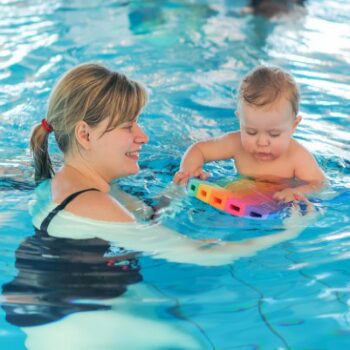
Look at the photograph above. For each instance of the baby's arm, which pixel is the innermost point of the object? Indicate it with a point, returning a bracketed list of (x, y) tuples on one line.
[(205, 151), (306, 170)]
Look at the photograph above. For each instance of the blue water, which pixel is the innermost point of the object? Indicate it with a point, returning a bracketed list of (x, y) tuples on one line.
[(191, 56)]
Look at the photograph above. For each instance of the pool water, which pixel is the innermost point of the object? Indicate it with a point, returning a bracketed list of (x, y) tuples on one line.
[(191, 56)]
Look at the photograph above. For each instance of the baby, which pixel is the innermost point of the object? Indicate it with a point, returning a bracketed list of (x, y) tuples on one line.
[(263, 148)]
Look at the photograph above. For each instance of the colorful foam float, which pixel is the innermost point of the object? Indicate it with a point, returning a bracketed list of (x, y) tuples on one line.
[(243, 197)]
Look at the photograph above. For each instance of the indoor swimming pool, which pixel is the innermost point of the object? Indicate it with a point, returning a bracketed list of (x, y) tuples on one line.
[(190, 54)]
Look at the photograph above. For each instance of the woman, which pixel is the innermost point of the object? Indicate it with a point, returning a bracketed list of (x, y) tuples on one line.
[(93, 114)]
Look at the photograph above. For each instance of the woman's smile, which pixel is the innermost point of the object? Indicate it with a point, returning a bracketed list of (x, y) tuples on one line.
[(133, 154)]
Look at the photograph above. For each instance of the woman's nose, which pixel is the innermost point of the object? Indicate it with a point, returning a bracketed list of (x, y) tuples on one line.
[(140, 135)]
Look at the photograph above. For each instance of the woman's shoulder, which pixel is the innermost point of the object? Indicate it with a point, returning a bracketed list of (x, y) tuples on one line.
[(99, 206), (88, 202)]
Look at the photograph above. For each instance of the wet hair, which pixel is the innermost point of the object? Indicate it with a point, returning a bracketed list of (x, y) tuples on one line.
[(264, 85), (90, 93)]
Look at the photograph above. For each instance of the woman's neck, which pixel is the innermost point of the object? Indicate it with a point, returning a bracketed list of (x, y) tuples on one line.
[(82, 174)]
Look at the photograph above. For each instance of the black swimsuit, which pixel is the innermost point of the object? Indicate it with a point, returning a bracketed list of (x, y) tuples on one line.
[(46, 222), (54, 273)]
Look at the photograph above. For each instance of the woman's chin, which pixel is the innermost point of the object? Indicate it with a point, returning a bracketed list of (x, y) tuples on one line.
[(133, 171), (127, 172)]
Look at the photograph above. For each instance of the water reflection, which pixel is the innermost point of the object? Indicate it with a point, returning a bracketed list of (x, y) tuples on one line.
[(57, 277), (146, 17), (271, 8)]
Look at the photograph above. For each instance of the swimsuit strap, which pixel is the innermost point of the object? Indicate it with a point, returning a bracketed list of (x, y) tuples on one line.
[(46, 222)]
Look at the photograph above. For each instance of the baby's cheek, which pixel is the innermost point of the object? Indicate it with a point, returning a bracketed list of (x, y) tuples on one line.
[(247, 144), (285, 143), (280, 146)]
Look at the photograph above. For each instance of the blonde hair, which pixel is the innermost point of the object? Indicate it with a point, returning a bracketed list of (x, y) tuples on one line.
[(265, 85), (89, 93)]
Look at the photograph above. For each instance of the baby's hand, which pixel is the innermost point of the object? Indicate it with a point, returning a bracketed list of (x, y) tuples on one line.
[(289, 195), (182, 177)]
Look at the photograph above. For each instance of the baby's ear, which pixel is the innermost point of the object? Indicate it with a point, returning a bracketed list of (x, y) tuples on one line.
[(297, 121)]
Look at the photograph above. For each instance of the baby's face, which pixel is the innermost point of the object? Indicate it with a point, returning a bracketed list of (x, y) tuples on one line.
[(266, 131)]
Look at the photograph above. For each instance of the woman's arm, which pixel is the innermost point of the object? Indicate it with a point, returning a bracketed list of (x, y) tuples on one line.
[(136, 206), (163, 243)]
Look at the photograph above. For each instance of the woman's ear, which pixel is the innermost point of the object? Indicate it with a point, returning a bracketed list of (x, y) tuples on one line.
[(82, 135)]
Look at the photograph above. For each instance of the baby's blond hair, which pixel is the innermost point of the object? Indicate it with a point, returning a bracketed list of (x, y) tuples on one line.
[(265, 85)]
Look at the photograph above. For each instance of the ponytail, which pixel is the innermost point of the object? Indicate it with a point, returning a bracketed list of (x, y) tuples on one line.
[(39, 147)]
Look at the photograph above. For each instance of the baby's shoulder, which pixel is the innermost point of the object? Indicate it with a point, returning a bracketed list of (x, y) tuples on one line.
[(234, 134), (298, 151), (296, 146), (234, 137), (99, 206), (230, 142)]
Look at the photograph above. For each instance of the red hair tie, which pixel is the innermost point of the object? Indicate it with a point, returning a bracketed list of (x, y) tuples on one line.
[(46, 125), (299, 197)]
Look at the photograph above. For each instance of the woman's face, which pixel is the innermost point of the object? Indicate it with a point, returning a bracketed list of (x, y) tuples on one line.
[(116, 153)]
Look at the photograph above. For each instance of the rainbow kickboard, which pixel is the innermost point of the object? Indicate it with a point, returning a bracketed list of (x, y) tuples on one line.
[(249, 201)]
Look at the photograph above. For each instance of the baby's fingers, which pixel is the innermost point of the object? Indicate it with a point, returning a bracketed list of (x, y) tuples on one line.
[(200, 174), (181, 177), (288, 196), (282, 197), (310, 208), (204, 175)]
